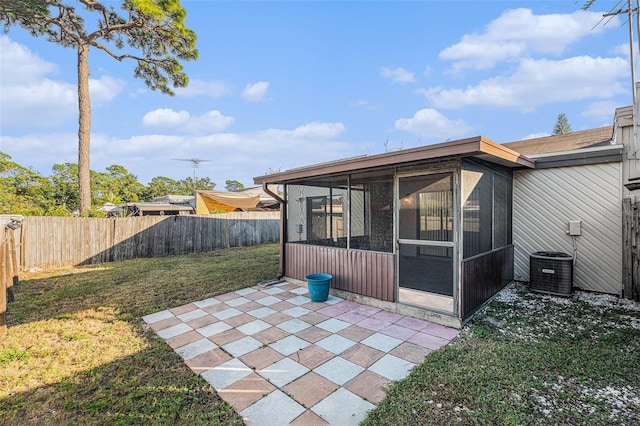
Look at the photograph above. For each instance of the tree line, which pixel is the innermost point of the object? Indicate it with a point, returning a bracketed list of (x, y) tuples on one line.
[(27, 192)]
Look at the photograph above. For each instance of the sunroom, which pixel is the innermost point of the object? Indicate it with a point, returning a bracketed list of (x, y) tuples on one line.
[(424, 231)]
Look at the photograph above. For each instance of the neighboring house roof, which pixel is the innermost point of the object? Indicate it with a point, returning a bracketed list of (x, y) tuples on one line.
[(149, 207), (478, 146), (174, 199), (601, 136)]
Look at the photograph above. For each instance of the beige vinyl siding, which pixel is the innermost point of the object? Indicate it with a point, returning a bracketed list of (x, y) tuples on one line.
[(544, 202)]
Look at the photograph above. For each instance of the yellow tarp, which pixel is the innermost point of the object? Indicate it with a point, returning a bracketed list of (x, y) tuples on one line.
[(215, 201)]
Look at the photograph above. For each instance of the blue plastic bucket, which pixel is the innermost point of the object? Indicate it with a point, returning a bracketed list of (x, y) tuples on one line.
[(318, 285)]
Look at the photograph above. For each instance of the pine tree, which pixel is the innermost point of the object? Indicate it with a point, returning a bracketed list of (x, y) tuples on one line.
[(562, 125)]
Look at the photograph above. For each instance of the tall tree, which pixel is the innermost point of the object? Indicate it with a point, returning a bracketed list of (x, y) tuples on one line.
[(154, 31), (562, 125), (186, 185), (160, 186), (233, 186)]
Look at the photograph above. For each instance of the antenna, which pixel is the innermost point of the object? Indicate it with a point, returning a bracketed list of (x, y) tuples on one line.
[(196, 163)]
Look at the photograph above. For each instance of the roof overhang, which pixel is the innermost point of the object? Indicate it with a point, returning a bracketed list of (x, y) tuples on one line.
[(579, 157), (478, 147)]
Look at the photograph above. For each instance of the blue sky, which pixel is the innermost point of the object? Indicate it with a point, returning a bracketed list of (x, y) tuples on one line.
[(285, 84)]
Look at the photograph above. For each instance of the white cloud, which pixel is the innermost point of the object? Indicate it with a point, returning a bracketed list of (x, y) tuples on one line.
[(238, 156), (30, 98), (318, 130), (255, 92), (215, 89), (518, 32), (536, 82), (536, 135), (104, 89), (398, 75), (167, 118), (432, 125)]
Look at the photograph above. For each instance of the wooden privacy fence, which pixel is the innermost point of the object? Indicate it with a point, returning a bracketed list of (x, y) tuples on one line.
[(54, 242), (630, 253), (8, 273)]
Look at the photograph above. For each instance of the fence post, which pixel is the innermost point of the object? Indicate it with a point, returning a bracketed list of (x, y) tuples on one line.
[(3, 287)]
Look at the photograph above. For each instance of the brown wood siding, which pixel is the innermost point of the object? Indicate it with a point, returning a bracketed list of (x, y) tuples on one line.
[(483, 276), (367, 273)]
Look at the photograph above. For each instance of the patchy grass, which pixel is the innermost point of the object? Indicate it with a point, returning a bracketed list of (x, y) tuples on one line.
[(529, 359), (78, 353)]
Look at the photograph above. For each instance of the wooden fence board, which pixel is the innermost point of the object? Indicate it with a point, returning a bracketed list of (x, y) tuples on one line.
[(55, 242)]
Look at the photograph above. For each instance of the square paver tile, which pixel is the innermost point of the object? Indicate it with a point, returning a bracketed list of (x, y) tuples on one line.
[(289, 345), (212, 329), (184, 339), (262, 412), (339, 370), (312, 356), (296, 311), (258, 294), (245, 291), (381, 342), (411, 352), (277, 318), (208, 360), (191, 315), (239, 320), (206, 302), (314, 306), (268, 300), (338, 308), (342, 408), (313, 334), (441, 331), (242, 346), (165, 323), (387, 316), (412, 323), (310, 389), (333, 325), (253, 327), (351, 317), (250, 306), (226, 374), (196, 348), (261, 358), (282, 306), (183, 309), (293, 325), (397, 331), (299, 290), (237, 301), (428, 340), (158, 316), (362, 355), (202, 321), (299, 300), (212, 309), (273, 290), (262, 312), (174, 331), (246, 391), (226, 337), (335, 344), (226, 296), (284, 371), (356, 333), (373, 324), (367, 310), (270, 335), (313, 318), (392, 367), (227, 313), (369, 386), (309, 418), (333, 300)]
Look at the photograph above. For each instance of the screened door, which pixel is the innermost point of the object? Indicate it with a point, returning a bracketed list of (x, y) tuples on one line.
[(425, 232)]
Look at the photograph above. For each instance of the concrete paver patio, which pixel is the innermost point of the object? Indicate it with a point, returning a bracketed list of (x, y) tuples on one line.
[(278, 358)]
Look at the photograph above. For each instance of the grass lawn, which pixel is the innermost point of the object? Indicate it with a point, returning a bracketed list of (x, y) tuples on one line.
[(529, 359), (77, 351)]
